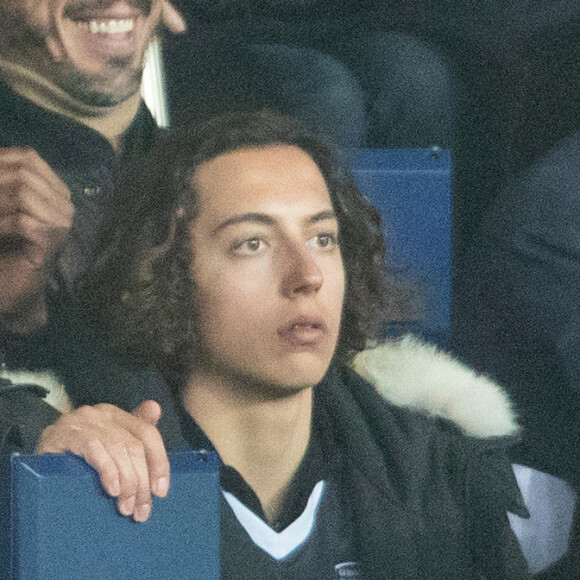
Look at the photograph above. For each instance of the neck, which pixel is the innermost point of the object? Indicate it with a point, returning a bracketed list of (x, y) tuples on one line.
[(110, 122), (263, 439)]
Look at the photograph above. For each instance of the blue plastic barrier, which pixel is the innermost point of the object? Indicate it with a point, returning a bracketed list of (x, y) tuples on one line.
[(64, 526)]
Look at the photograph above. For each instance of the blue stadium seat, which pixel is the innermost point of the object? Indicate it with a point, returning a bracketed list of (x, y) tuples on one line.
[(412, 190)]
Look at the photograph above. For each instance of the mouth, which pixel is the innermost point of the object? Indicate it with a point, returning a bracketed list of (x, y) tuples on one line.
[(108, 27), (106, 16), (303, 331)]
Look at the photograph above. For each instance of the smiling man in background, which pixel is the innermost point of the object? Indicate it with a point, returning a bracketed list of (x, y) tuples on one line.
[(71, 117)]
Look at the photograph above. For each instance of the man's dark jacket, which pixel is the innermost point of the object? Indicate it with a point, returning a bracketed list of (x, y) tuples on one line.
[(517, 306), (69, 346)]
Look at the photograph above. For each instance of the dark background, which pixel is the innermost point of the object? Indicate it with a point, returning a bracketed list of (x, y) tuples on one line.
[(516, 65)]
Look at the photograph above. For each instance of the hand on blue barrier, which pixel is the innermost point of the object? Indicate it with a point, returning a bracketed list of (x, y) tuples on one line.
[(125, 448)]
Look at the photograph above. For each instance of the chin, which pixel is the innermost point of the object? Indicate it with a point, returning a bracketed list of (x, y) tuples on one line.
[(276, 385), (294, 382), (97, 99), (111, 98), (278, 391), (88, 89)]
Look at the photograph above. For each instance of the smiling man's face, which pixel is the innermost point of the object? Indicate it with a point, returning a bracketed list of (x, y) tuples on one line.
[(92, 49)]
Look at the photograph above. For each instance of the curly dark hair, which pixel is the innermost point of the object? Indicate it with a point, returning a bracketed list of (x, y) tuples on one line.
[(142, 286)]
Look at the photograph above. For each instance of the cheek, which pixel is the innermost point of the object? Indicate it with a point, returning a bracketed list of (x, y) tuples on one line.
[(231, 287), (336, 287), (225, 309), (20, 17), (41, 16), (232, 327), (230, 307)]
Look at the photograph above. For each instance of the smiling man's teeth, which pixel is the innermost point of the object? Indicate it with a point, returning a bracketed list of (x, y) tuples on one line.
[(111, 26)]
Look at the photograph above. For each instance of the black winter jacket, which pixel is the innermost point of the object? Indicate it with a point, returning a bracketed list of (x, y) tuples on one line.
[(69, 349), (420, 441), (430, 481)]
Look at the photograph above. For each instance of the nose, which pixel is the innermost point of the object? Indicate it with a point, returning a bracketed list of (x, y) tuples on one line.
[(302, 274)]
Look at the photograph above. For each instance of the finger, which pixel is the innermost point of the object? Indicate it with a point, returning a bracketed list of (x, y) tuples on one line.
[(173, 19), (126, 450), (89, 447), (25, 191), (8, 202), (128, 477), (142, 501), (23, 238), (149, 411), (22, 289), (20, 225), (148, 436), (155, 453), (97, 456), (28, 185), (16, 159), (98, 434)]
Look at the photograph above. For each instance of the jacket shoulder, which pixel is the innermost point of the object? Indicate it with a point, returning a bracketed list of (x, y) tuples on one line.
[(417, 376)]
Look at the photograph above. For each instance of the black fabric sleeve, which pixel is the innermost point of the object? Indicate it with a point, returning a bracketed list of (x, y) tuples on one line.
[(23, 417), (491, 492)]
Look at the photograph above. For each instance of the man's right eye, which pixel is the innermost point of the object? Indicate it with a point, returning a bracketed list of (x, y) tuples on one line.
[(248, 247)]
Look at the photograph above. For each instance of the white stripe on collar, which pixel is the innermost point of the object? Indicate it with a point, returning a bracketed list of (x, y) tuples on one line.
[(278, 545)]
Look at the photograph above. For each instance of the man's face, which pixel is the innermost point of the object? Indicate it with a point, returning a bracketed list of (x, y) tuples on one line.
[(267, 268), (92, 49)]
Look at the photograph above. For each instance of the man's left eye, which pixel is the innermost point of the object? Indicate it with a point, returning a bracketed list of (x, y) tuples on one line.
[(326, 240), (253, 245)]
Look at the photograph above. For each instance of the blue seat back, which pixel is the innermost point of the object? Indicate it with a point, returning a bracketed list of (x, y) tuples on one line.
[(412, 190)]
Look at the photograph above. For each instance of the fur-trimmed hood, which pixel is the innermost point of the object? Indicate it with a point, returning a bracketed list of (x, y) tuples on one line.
[(409, 373)]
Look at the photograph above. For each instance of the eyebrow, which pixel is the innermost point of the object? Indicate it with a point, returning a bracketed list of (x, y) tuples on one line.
[(262, 218)]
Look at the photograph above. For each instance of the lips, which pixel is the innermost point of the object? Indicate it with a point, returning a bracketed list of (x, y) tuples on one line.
[(303, 331), (106, 10), (114, 19), (109, 27)]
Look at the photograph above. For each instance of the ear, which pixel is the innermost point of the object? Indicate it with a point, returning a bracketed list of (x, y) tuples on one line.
[(172, 18)]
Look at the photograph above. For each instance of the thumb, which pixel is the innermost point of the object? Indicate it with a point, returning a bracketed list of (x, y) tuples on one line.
[(149, 411), (172, 18)]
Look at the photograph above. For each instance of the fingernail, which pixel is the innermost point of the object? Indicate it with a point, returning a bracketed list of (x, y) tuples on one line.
[(127, 505), (142, 513), (162, 487)]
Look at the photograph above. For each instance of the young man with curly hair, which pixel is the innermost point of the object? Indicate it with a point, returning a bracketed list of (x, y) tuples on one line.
[(253, 278)]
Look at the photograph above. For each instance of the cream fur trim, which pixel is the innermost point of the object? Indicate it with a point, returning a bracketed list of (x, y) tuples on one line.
[(409, 373), (56, 397)]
